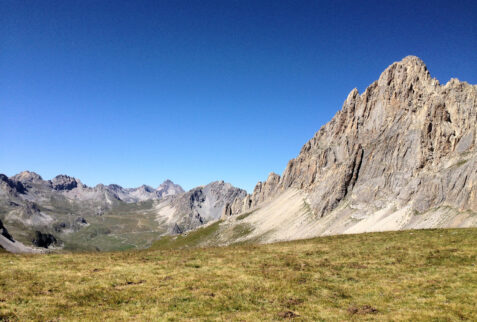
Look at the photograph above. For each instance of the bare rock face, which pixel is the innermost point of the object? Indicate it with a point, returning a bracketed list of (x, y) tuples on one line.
[(406, 140), (44, 240), (64, 182), (169, 188), (203, 204), (144, 192), (27, 177), (4, 232), (11, 187), (261, 192)]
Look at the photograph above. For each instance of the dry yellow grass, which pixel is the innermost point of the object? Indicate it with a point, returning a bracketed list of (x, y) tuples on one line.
[(410, 275)]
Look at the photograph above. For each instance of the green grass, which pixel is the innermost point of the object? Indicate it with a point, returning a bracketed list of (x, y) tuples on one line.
[(241, 230), (461, 162), (428, 275), (245, 215), (192, 238)]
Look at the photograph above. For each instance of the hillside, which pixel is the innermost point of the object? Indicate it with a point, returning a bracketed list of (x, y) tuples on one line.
[(407, 275)]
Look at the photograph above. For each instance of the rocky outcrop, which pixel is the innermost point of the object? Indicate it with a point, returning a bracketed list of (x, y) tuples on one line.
[(27, 178), (44, 240), (262, 192), (406, 140), (11, 245), (203, 204), (4, 232), (176, 230), (11, 187), (64, 182), (169, 188)]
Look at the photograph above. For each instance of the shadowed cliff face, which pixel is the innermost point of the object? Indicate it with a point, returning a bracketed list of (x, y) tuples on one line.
[(4, 232), (406, 140)]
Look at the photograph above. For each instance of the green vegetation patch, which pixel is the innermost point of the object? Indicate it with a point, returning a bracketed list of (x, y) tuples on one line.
[(461, 162), (245, 215), (241, 230), (418, 275), (193, 238), (129, 207)]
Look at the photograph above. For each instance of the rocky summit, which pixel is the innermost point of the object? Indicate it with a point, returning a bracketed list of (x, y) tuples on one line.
[(400, 155), (200, 205)]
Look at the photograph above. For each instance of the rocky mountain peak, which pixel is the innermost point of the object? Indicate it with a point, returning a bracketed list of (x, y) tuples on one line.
[(27, 177), (146, 188), (169, 188), (388, 140), (403, 82), (205, 203), (64, 182), (410, 66), (412, 60), (10, 186), (114, 187)]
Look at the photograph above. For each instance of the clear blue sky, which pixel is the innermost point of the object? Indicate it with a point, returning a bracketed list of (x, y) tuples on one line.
[(134, 92)]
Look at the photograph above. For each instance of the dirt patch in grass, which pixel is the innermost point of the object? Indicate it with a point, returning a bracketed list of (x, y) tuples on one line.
[(365, 309), (291, 302), (288, 315)]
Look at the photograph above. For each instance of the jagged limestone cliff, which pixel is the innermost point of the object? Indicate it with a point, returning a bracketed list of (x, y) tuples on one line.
[(404, 150), (406, 138)]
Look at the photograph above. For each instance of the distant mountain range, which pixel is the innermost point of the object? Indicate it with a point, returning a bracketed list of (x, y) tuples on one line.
[(400, 155), (65, 213)]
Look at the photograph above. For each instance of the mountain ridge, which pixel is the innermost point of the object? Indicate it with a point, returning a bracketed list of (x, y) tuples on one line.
[(399, 83), (65, 213), (400, 155)]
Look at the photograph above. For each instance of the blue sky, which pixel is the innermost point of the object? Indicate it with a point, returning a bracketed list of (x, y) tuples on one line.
[(134, 92)]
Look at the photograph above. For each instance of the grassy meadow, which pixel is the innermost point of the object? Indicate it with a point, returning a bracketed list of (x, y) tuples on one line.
[(408, 275)]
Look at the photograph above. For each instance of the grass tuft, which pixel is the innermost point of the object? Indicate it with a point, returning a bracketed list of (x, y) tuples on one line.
[(245, 215)]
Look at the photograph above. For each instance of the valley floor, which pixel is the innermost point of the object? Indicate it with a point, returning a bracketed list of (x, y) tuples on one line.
[(406, 275)]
